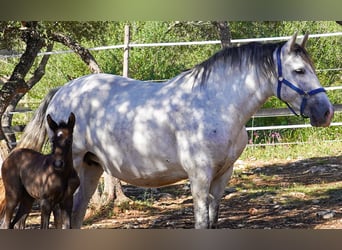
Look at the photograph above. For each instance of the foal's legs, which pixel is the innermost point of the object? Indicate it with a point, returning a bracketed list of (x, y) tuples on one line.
[(89, 174), (13, 193), (10, 206), (67, 203), (45, 208)]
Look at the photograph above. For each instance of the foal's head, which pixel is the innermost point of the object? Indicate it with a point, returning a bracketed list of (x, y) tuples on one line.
[(61, 140)]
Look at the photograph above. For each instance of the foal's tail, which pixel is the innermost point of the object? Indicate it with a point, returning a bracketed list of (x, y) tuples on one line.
[(2, 201), (33, 137)]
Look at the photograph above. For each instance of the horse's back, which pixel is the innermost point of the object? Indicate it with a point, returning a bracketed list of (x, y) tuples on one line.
[(126, 123)]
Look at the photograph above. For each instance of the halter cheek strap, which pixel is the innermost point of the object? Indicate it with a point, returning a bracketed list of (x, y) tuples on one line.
[(305, 94)]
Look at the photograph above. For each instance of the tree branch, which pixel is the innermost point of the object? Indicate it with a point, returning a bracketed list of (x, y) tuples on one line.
[(84, 53)]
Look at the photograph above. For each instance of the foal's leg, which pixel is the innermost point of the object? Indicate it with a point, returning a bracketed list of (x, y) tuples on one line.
[(57, 216), (10, 206), (73, 184), (89, 177), (23, 210), (45, 209), (62, 212), (13, 194)]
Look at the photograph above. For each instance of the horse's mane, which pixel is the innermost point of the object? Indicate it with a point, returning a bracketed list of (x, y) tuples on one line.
[(247, 55)]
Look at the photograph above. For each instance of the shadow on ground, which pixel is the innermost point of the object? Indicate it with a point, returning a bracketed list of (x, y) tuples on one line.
[(299, 194)]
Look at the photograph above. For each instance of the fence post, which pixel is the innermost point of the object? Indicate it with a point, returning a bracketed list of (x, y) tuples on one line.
[(126, 51)]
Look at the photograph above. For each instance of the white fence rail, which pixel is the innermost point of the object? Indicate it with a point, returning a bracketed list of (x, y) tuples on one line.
[(170, 44), (278, 112)]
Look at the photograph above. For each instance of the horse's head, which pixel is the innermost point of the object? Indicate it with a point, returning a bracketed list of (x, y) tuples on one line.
[(298, 85), (62, 139)]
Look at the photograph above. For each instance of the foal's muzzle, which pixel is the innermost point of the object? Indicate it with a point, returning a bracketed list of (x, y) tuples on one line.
[(58, 164)]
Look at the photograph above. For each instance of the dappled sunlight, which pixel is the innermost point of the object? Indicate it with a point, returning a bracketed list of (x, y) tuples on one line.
[(192, 126)]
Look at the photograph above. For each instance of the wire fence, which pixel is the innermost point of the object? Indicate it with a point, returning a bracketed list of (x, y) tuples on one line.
[(265, 113), (170, 44)]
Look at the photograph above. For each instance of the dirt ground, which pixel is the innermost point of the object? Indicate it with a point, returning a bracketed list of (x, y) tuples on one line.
[(292, 194)]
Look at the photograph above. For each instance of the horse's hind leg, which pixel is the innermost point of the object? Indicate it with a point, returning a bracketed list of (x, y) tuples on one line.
[(89, 173)]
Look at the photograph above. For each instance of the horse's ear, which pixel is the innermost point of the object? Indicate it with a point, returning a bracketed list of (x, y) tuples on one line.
[(290, 44), (71, 120), (52, 124), (304, 40)]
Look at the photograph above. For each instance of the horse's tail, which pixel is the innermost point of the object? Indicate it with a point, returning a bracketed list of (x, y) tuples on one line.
[(33, 137)]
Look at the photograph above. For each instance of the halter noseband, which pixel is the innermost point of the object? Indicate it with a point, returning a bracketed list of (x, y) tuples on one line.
[(301, 92)]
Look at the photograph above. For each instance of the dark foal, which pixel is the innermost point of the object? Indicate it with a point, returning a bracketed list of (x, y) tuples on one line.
[(28, 175)]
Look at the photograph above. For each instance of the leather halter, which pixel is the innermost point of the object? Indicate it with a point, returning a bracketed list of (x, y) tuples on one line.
[(305, 94)]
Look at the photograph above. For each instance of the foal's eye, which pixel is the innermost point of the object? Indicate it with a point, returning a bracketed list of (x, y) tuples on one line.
[(300, 71)]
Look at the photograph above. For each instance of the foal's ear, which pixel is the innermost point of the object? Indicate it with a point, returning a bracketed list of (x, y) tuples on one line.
[(52, 124), (71, 120)]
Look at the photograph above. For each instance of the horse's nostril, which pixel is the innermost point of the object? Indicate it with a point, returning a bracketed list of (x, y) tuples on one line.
[(329, 114), (326, 114)]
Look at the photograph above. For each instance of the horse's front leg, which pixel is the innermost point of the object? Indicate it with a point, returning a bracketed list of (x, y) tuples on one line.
[(216, 192), (220, 182), (200, 185)]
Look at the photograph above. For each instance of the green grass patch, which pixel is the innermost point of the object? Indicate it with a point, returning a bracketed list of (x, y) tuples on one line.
[(313, 148)]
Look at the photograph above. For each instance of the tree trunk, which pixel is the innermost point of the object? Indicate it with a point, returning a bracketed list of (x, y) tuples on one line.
[(7, 117), (16, 84), (224, 33)]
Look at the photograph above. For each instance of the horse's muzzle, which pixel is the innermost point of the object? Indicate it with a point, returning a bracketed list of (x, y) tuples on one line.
[(323, 119)]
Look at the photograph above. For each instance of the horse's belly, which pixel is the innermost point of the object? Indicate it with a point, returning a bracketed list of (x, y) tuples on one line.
[(149, 175)]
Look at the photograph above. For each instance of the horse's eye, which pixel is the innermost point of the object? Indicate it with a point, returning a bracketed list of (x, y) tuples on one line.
[(300, 71)]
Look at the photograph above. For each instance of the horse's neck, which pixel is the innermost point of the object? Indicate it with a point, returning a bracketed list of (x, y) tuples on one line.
[(242, 92)]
